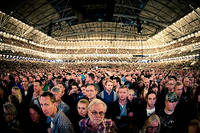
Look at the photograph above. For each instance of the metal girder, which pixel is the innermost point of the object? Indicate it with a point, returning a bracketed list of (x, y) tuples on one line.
[(122, 33), (162, 24)]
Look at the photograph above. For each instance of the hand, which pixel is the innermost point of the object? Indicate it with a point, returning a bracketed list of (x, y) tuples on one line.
[(130, 114), (35, 94)]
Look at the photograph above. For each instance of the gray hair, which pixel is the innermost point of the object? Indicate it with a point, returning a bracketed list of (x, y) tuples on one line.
[(56, 89), (10, 109), (97, 101)]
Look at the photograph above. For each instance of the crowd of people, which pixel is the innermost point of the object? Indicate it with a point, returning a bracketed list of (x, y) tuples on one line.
[(48, 99)]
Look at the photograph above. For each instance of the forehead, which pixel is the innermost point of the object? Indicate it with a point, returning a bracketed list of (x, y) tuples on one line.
[(109, 82), (123, 90), (90, 87), (97, 107), (45, 99), (36, 83), (179, 87), (82, 104), (152, 95)]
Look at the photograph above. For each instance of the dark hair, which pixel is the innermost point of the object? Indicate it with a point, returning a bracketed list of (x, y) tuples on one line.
[(117, 79), (150, 92), (95, 86), (39, 82), (75, 84), (91, 75), (50, 95), (36, 108)]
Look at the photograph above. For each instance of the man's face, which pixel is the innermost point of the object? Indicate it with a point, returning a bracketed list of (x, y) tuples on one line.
[(186, 82), (96, 113), (48, 107), (109, 86), (24, 83), (178, 90), (74, 89), (58, 96), (82, 109), (170, 85), (114, 82), (123, 93), (87, 79), (83, 90), (91, 92), (37, 87), (146, 82), (151, 100), (61, 87), (170, 106)]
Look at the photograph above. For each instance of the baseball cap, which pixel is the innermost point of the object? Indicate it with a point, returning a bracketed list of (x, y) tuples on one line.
[(171, 97)]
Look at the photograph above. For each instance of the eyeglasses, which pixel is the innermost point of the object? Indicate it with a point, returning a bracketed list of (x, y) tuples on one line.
[(152, 127), (100, 113)]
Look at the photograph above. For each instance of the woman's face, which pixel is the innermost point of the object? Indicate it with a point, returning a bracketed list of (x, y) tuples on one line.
[(82, 109), (153, 127), (34, 115), (130, 95)]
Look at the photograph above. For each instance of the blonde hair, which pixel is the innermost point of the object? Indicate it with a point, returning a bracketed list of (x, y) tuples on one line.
[(85, 101), (108, 80), (18, 93), (148, 122)]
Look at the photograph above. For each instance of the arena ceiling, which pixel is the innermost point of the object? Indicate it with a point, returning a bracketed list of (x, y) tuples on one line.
[(113, 24)]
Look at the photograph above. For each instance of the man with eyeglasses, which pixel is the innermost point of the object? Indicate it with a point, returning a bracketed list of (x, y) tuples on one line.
[(97, 123)]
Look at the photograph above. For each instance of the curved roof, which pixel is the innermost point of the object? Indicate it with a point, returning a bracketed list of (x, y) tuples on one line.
[(117, 29), (100, 19)]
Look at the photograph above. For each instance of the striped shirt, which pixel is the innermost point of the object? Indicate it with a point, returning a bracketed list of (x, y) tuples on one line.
[(61, 124)]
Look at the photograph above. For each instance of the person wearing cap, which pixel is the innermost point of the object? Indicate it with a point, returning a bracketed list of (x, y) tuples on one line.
[(168, 116)]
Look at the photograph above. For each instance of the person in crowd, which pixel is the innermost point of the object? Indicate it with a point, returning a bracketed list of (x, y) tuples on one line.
[(187, 89), (116, 83), (194, 126), (151, 125), (74, 93), (27, 91), (146, 109), (90, 79), (91, 92), (108, 94), (37, 86), (60, 104), (169, 87), (121, 111), (60, 123), (96, 121), (37, 120), (16, 92), (167, 115), (82, 108), (131, 95), (10, 115), (17, 82), (83, 90)]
